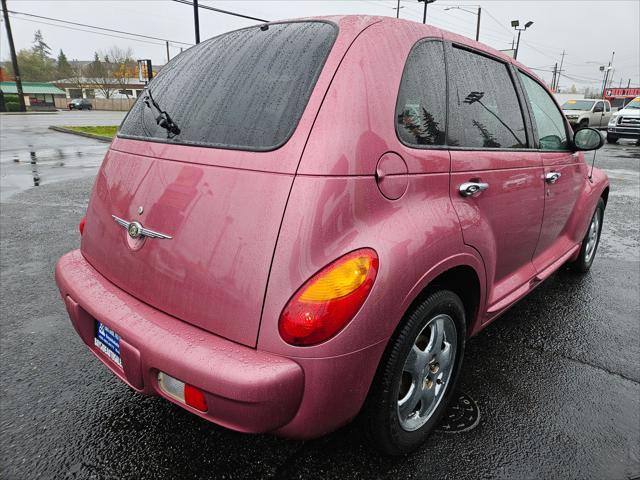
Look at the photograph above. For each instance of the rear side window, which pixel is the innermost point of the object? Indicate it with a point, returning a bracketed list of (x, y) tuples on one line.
[(245, 89), (485, 112), (548, 120), (421, 104)]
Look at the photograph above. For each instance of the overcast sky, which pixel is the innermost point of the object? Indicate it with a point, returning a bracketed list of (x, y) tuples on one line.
[(589, 31)]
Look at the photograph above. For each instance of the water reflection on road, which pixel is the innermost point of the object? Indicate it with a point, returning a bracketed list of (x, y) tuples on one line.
[(32, 167), (31, 155)]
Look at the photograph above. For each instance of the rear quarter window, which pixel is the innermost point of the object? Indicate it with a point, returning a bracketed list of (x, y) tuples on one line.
[(243, 90), (421, 104)]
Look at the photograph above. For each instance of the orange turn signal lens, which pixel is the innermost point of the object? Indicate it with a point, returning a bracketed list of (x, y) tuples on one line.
[(329, 300)]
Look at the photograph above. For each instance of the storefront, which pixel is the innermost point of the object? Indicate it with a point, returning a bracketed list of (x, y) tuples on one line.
[(37, 96), (619, 97)]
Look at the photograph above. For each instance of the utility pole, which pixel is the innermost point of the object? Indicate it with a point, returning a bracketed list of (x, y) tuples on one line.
[(478, 25), (167, 44), (560, 71), (606, 75), (613, 71), (553, 79), (398, 10), (196, 20), (14, 58)]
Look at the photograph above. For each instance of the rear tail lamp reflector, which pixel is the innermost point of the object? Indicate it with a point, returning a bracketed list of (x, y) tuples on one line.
[(183, 392)]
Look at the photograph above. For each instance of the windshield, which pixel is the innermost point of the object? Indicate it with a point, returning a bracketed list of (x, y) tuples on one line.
[(578, 105), (244, 90), (635, 103)]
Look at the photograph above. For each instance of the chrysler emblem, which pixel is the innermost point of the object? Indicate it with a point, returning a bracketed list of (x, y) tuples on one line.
[(136, 230)]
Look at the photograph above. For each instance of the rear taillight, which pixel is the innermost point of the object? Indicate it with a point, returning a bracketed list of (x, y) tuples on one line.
[(329, 300), (183, 392), (83, 220)]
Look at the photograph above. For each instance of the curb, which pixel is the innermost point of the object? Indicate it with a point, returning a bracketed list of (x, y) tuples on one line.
[(29, 113), (81, 134)]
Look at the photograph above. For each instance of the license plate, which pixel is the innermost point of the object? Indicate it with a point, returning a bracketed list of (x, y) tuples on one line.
[(108, 342)]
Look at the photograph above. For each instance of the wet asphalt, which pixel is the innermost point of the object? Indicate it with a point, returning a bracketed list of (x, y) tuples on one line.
[(557, 378)]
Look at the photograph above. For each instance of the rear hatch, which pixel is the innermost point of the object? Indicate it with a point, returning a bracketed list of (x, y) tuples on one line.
[(244, 103)]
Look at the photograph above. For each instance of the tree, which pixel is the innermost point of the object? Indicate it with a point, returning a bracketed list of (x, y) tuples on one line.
[(40, 47), (35, 63), (34, 68), (124, 67), (99, 73), (64, 68)]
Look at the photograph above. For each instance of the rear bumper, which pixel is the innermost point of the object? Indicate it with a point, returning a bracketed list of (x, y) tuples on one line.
[(246, 390)]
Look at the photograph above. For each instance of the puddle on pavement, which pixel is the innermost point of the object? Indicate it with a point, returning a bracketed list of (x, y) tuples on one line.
[(29, 168)]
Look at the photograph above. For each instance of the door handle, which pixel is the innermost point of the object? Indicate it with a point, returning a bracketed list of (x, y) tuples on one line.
[(470, 188), (552, 177)]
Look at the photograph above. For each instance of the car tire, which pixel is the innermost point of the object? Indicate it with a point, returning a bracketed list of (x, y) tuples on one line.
[(89, 107), (584, 123), (591, 240), (397, 385), (611, 139)]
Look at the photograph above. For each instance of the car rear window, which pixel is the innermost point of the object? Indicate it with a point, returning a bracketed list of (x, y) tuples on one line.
[(243, 90)]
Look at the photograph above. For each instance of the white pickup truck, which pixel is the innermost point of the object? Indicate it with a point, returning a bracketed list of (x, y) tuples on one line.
[(625, 123), (587, 113)]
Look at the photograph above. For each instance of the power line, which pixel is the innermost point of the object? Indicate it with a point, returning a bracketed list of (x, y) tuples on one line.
[(40, 22), (99, 28), (226, 12)]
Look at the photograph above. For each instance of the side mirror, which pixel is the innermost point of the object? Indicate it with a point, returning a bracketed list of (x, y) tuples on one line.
[(587, 139), (597, 110)]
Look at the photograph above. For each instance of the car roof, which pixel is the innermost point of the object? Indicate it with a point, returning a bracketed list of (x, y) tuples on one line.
[(401, 26)]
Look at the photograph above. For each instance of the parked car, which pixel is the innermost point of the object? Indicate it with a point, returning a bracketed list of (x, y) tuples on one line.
[(587, 113), (318, 239), (80, 104), (625, 123)]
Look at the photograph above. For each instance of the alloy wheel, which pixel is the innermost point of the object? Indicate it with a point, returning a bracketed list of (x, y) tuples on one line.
[(427, 371)]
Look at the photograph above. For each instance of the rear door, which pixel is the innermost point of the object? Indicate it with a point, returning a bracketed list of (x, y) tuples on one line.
[(597, 115), (607, 114), (565, 172), (488, 138)]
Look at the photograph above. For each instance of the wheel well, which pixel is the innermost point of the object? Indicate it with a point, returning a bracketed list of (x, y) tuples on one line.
[(605, 196), (463, 281)]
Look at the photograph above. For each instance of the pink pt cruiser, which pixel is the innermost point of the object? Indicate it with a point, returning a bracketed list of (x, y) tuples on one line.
[(302, 222)]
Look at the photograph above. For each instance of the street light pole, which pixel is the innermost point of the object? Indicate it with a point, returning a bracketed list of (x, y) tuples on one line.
[(479, 14), (14, 58), (515, 55), (196, 20), (515, 24), (424, 13)]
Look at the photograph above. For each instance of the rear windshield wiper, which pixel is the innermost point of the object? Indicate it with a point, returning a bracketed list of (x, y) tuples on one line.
[(163, 119)]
